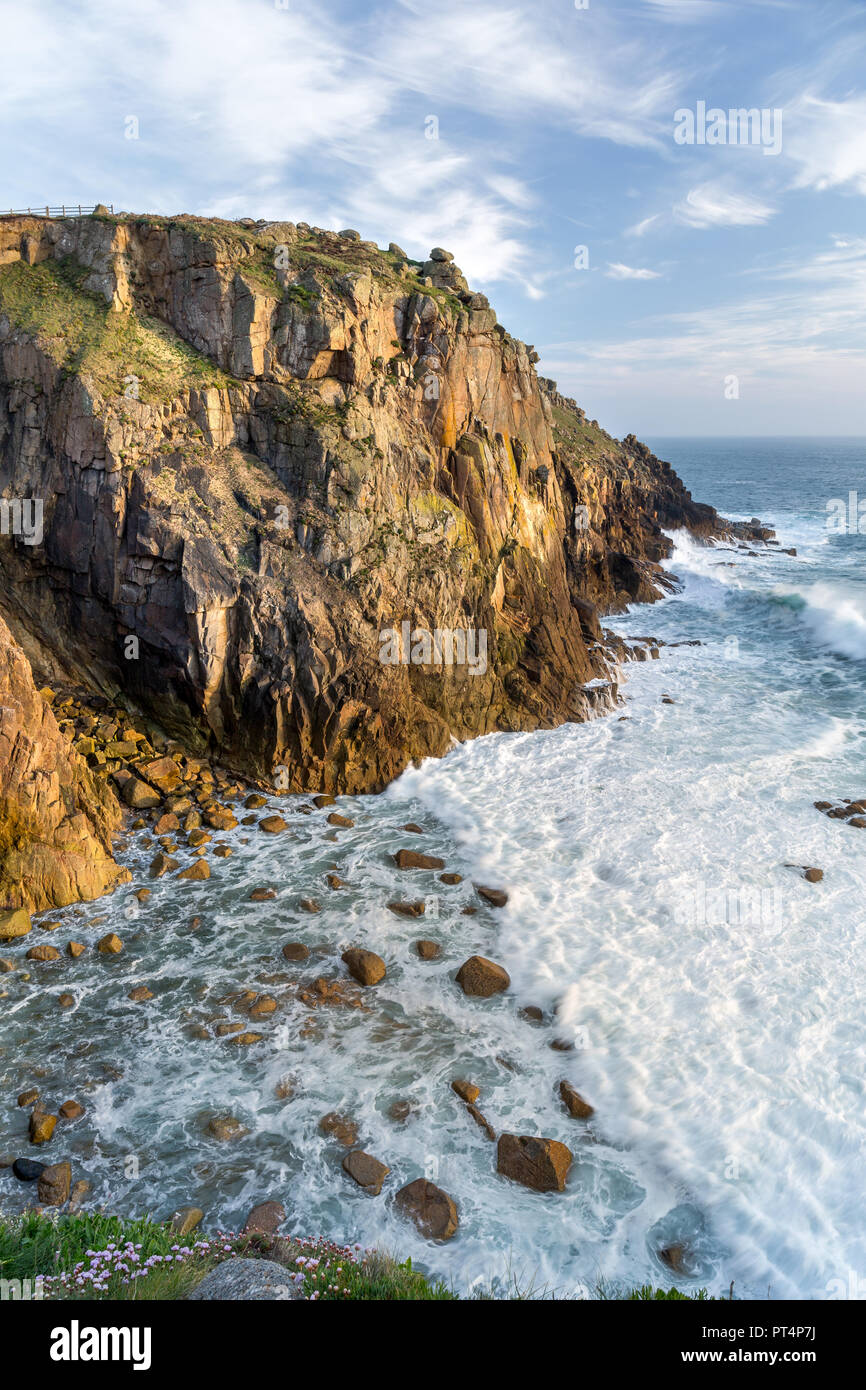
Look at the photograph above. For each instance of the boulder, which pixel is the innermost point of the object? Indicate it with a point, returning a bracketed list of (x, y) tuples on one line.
[(541, 1164), (408, 859), (339, 1127), (466, 1090), (265, 1219), (295, 951), (415, 909), (248, 1280), (262, 895), (574, 1102), (197, 871), (450, 879), (185, 1219), (428, 950), (367, 1171), (482, 978), (432, 1210), (43, 953), (27, 1169), (140, 994), (70, 1110), (162, 864), (272, 825), (344, 821), (495, 896), (309, 905), (813, 875), (75, 949), (139, 795), (42, 1126), (226, 1127), (28, 1097), (364, 966), (110, 944), (55, 1181)]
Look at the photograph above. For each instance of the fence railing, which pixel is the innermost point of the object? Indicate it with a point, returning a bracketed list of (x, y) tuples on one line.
[(64, 210)]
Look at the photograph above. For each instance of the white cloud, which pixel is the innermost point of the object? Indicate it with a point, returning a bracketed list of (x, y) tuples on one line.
[(827, 140), (711, 205), (617, 271)]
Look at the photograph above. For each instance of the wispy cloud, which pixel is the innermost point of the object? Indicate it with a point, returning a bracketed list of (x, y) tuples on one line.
[(617, 271), (712, 205)]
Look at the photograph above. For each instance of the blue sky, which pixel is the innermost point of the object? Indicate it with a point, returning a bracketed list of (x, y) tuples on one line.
[(724, 290)]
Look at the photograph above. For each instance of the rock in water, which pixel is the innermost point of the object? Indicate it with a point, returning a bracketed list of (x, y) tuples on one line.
[(408, 859), (574, 1102), (364, 966), (54, 1184), (367, 1171), (541, 1164), (482, 978), (432, 1210), (265, 1219)]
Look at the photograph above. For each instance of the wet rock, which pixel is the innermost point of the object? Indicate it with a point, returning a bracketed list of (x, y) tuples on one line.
[(196, 838), (55, 1181), (162, 864), (185, 1219), (408, 859), (273, 825), (110, 944), (334, 881), (432, 1210), (450, 879), (482, 978), (75, 949), (265, 1219), (28, 1097), (43, 953), (344, 821), (219, 818), (541, 1164), (247, 1039), (285, 1088), (70, 1110), (532, 1013), (14, 923), (249, 1280), (196, 872), (482, 1122), (222, 851), (6, 966), (263, 1007), (168, 821), (415, 909), (428, 950), (78, 1194), (495, 896), (295, 951), (367, 1171), (364, 966), (254, 801), (400, 1110), (562, 1045), (466, 1090), (143, 894), (140, 994), (413, 829), (66, 1001), (225, 1128), (574, 1101), (27, 1169), (262, 895), (339, 1127), (324, 800), (675, 1257), (330, 992), (309, 905), (42, 1126), (223, 1030), (813, 875)]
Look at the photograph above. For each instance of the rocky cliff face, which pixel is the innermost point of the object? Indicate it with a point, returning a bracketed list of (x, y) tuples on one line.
[(263, 449), (56, 820)]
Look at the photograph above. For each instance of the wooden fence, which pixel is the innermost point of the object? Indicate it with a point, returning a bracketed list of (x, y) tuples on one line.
[(64, 210)]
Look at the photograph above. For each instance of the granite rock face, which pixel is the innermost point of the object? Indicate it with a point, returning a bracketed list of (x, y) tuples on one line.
[(274, 463), (56, 820)]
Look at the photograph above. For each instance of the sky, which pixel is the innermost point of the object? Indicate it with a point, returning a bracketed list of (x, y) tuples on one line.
[(673, 285)]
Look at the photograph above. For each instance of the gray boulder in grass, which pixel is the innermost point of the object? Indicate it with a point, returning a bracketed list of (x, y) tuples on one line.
[(262, 1281)]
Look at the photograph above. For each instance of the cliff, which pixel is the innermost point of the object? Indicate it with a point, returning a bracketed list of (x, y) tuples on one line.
[(260, 449)]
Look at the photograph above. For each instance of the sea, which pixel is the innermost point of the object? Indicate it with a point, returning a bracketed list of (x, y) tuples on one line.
[(703, 996)]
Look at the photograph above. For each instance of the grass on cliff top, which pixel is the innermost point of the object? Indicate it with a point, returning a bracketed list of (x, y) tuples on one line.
[(85, 337)]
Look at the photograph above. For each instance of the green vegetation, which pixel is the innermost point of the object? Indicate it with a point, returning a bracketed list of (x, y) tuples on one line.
[(83, 335), (91, 1256)]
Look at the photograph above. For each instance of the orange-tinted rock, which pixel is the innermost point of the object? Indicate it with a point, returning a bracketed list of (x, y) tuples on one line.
[(482, 978), (541, 1164), (408, 859), (574, 1102), (367, 1171), (432, 1210), (364, 966)]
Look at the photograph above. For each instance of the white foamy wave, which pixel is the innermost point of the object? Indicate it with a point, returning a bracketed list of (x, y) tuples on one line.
[(835, 614)]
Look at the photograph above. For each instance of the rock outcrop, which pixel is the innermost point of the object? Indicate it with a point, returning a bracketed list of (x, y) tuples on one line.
[(56, 820), (304, 501)]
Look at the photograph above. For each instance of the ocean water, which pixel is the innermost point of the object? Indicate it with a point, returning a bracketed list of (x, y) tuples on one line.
[(713, 996)]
